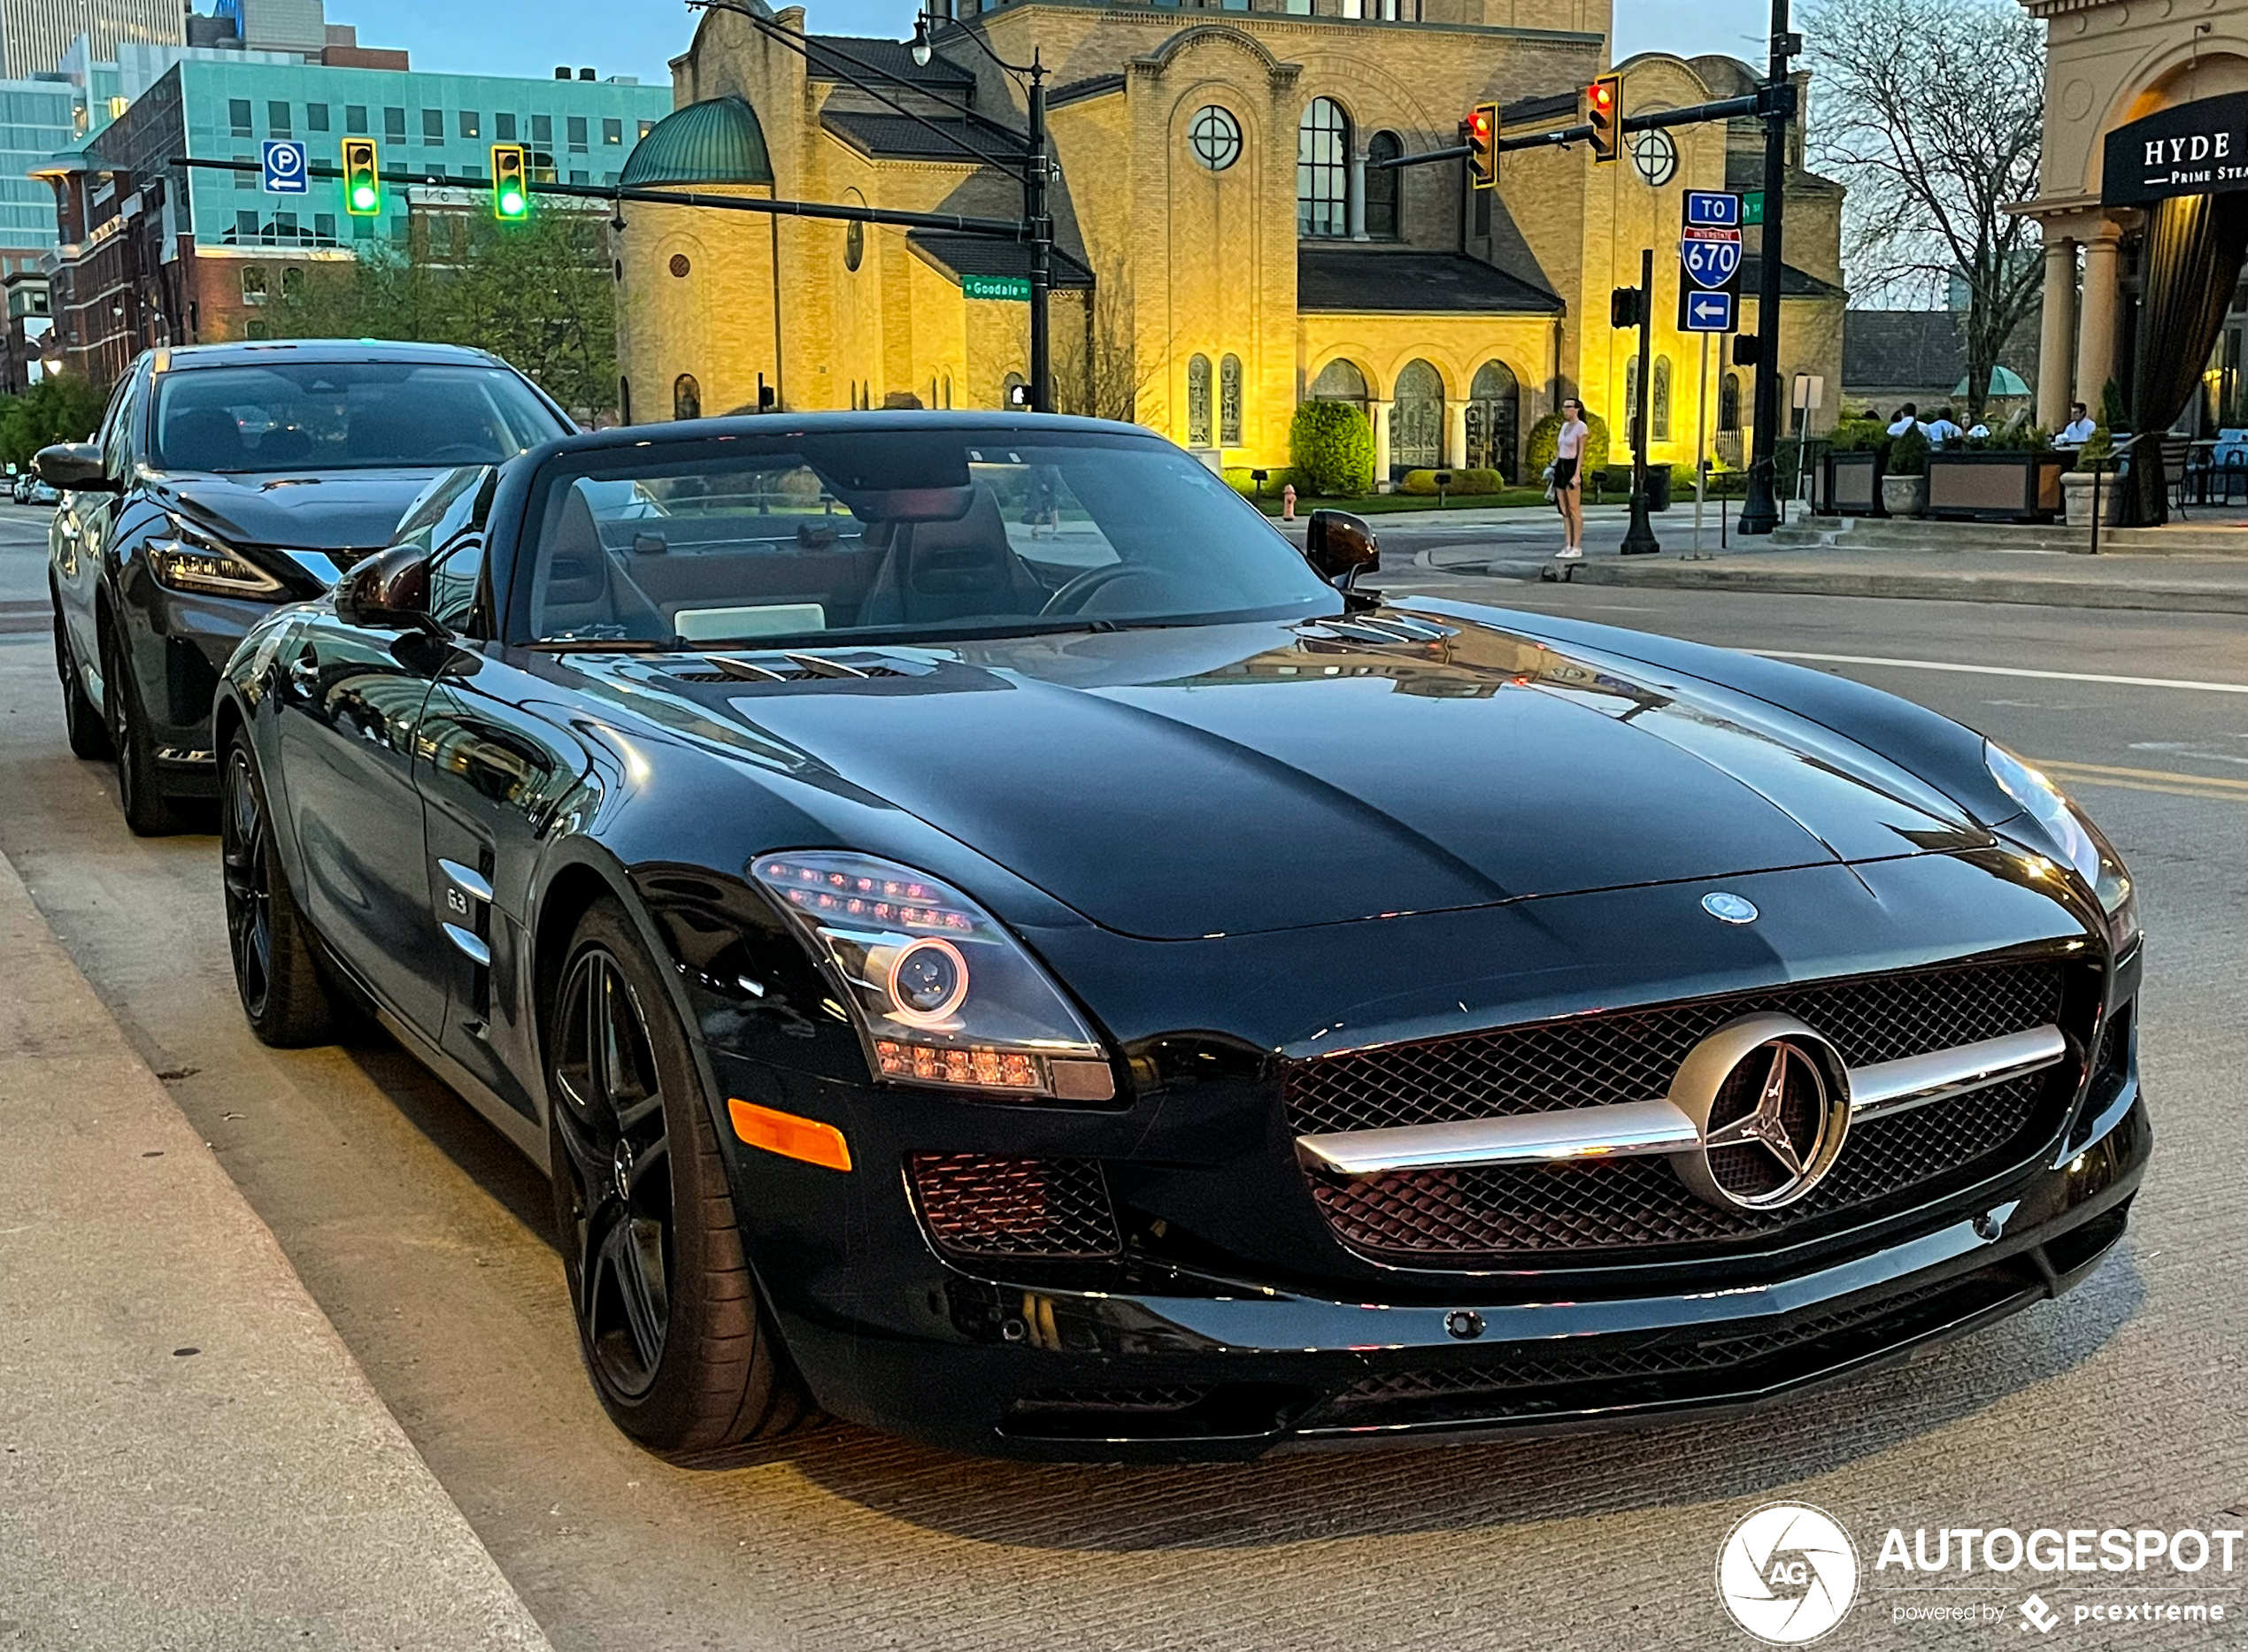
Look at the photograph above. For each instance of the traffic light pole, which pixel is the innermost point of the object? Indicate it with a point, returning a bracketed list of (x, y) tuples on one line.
[(1760, 508), (1639, 539)]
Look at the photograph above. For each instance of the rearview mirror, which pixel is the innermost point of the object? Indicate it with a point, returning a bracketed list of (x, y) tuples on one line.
[(390, 592), (1340, 547), (75, 467)]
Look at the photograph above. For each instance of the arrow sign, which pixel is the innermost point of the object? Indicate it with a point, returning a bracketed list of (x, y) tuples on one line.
[(1709, 312), (285, 173)]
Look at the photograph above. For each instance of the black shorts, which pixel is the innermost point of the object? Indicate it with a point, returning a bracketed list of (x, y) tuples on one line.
[(1565, 474)]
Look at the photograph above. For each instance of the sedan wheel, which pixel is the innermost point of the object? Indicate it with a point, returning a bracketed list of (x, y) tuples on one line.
[(668, 1317), (140, 792), (88, 735), (277, 970)]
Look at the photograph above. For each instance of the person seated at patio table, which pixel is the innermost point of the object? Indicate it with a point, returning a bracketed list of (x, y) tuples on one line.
[(1942, 430), (1908, 418), (2078, 430)]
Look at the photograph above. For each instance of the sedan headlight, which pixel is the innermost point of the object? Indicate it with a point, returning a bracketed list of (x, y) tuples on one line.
[(943, 992), (2081, 844), (194, 561)]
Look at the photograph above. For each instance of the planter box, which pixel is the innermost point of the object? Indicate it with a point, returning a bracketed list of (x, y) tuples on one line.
[(2077, 490), (1904, 496), (1853, 483), (1995, 486)]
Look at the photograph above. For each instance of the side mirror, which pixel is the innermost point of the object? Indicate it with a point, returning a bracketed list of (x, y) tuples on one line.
[(1340, 547), (390, 592), (75, 467)]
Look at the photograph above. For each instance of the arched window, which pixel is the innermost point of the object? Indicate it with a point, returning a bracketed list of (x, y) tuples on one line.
[(1340, 381), (1631, 400), (1323, 170), (1198, 402), (1494, 419), (1229, 402), (1382, 221), (1658, 410), (1729, 403), (1417, 420), (686, 397)]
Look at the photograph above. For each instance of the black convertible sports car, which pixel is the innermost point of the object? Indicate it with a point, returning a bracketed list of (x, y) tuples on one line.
[(993, 941)]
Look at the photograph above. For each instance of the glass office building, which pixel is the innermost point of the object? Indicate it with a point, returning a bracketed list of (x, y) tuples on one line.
[(37, 117)]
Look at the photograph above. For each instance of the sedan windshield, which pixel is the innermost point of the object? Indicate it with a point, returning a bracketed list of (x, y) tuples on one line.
[(337, 416), (900, 533)]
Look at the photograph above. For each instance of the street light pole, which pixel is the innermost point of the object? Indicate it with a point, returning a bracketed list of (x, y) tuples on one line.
[(1760, 508), (1639, 538)]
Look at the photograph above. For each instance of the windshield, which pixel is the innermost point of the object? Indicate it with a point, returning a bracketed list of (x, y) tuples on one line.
[(901, 533), (339, 416)]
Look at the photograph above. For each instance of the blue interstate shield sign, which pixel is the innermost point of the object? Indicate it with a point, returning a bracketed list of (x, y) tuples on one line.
[(1711, 256)]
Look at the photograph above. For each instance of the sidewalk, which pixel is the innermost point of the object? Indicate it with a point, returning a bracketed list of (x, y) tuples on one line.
[(189, 1457)]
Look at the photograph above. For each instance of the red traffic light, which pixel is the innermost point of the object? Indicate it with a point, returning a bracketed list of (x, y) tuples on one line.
[(1603, 95), (1480, 123), (1603, 115)]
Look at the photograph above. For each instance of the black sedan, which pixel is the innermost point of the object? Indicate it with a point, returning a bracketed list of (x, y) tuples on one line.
[(992, 941), (226, 479)]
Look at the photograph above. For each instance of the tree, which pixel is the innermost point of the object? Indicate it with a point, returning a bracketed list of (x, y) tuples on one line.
[(1098, 368), (539, 294), (61, 407), (1932, 112), (1330, 448)]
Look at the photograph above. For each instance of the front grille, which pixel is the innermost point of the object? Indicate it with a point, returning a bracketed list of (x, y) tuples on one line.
[(976, 1204), (1544, 1210)]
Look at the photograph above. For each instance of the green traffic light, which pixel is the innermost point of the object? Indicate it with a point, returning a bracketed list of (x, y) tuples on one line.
[(511, 204), (362, 197)]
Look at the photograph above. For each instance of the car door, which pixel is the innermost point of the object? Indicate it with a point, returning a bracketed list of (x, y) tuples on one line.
[(85, 525), (493, 775), (350, 701)]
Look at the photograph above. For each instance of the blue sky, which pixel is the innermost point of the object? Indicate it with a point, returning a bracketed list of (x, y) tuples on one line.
[(640, 36)]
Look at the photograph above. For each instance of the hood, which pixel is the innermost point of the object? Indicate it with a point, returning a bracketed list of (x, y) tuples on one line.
[(320, 511), (1225, 780)]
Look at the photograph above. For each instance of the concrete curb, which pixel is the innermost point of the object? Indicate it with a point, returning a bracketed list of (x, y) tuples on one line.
[(1947, 587), (190, 1458)]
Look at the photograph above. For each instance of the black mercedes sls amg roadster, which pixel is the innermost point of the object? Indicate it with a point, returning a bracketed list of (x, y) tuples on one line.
[(992, 941)]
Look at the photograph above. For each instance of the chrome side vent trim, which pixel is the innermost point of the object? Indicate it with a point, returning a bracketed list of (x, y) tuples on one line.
[(472, 946)]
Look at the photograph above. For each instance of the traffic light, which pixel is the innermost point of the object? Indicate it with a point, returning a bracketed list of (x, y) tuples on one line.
[(510, 195), (1627, 308), (1480, 132), (1603, 113), (362, 178)]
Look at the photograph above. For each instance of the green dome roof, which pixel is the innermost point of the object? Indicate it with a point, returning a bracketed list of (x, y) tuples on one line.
[(717, 142)]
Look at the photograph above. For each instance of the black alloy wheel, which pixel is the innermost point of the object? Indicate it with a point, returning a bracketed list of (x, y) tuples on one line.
[(88, 734), (668, 1316), (288, 1001), (140, 790)]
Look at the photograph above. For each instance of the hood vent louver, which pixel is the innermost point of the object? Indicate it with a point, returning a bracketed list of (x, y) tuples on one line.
[(1390, 628), (772, 668)]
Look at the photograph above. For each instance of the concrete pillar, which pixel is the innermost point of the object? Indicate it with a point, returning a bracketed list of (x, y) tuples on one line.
[(1455, 434), (2095, 326), (2057, 343), (1355, 215), (1379, 412)]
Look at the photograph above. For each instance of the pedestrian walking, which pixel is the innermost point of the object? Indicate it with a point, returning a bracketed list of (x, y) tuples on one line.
[(1567, 484)]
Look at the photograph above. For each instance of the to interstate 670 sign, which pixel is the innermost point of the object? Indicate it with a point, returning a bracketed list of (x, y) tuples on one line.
[(1709, 250)]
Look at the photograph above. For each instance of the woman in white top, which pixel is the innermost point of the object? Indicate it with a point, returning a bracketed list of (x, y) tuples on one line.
[(1568, 480)]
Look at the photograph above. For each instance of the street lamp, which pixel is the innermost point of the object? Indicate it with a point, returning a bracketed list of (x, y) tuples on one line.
[(921, 48)]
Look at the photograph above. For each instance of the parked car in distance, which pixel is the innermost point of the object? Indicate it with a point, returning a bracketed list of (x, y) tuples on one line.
[(991, 942), (226, 479)]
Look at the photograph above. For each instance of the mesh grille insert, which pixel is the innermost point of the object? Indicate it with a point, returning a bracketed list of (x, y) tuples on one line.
[(976, 1204)]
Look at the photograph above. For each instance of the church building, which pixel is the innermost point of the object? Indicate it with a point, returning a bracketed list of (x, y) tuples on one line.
[(1228, 243)]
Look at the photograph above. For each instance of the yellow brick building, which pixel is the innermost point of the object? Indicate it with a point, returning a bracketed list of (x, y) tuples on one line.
[(1226, 249)]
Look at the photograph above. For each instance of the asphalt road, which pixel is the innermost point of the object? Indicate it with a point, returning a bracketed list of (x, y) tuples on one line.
[(424, 1237)]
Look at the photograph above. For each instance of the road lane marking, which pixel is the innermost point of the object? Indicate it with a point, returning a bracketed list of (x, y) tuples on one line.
[(2164, 780), (2008, 671)]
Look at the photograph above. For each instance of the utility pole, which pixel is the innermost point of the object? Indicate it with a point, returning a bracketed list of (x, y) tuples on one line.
[(1639, 539), (1760, 510), (1041, 225)]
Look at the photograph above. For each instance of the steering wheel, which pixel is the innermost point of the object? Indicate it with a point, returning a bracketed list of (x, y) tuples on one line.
[(1072, 597)]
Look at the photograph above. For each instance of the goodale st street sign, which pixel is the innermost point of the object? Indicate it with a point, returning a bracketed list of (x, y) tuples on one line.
[(1014, 288)]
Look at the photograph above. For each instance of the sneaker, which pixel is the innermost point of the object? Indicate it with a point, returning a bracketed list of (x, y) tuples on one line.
[(1568, 553)]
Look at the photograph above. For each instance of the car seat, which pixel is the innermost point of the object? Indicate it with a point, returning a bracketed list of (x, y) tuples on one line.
[(582, 591), (204, 439), (958, 570)]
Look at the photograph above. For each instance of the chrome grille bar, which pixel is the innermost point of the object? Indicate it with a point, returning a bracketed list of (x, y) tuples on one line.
[(1632, 1129)]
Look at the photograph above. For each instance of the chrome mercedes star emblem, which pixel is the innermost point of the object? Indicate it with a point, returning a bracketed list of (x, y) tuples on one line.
[(1729, 908), (1769, 1100), (1766, 1126)]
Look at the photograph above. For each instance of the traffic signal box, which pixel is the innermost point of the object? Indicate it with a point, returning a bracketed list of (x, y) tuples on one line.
[(1480, 132), (510, 195), (362, 178), (1603, 113)]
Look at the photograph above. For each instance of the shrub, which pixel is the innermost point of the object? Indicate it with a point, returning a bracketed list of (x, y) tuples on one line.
[(1330, 450), (1858, 436), (1547, 431), (1276, 477), (1462, 482), (1908, 455)]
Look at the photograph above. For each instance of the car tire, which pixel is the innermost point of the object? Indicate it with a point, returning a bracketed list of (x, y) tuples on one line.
[(284, 994), (148, 808), (82, 721), (679, 1346)]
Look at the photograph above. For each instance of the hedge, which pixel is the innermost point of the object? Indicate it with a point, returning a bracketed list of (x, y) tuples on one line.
[(1462, 482), (1276, 477), (1546, 433), (1330, 450)]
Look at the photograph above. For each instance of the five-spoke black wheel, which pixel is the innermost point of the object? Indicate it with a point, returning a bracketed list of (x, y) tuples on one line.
[(148, 808), (277, 967), (668, 1314), (88, 734)]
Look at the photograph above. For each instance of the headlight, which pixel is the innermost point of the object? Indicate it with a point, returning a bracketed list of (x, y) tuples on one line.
[(2081, 844), (192, 560), (943, 992)]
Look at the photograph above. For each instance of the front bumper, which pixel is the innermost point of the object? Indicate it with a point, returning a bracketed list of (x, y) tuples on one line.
[(179, 645)]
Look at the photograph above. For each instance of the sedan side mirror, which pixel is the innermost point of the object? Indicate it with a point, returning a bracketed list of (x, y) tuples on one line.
[(1340, 547), (75, 467), (390, 592)]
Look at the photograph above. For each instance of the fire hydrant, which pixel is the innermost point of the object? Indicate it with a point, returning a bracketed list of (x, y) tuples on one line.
[(1288, 502)]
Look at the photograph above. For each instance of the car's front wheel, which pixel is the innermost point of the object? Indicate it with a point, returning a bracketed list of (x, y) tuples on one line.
[(81, 722), (679, 1347), (148, 808), (277, 971)]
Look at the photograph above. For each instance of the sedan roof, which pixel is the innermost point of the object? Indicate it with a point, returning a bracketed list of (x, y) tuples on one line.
[(317, 351)]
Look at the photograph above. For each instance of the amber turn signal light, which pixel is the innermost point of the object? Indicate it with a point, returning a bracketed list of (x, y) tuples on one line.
[(789, 1136)]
